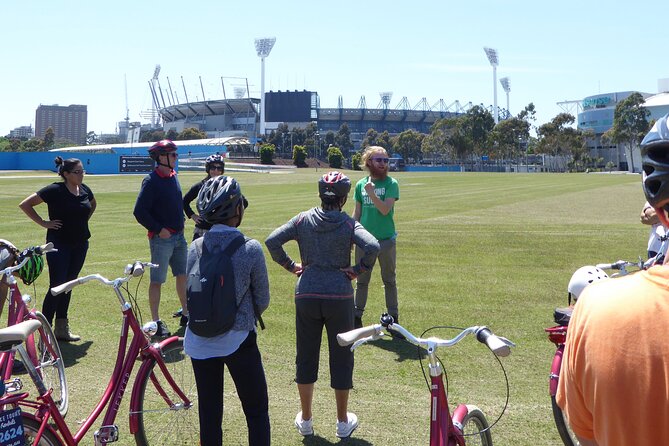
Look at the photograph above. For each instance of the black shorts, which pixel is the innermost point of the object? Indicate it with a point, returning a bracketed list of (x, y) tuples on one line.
[(311, 315)]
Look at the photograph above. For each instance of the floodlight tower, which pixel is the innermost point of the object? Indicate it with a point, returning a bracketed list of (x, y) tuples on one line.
[(263, 48), (506, 86), (492, 57)]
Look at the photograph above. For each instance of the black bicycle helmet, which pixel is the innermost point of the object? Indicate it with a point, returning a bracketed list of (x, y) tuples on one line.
[(655, 163), (214, 159), (333, 185), (32, 268), (161, 147), (218, 199)]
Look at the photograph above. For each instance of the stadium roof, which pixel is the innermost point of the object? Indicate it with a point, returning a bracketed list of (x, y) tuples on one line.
[(110, 148), (208, 108)]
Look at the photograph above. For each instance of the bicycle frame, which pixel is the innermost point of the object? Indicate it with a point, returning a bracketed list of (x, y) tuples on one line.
[(140, 347), (442, 429)]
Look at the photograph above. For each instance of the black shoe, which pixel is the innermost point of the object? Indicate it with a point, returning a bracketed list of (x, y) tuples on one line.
[(183, 322), (357, 323), (162, 331)]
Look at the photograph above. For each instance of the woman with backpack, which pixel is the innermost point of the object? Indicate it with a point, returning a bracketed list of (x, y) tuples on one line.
[(221, 203), (323, 293)]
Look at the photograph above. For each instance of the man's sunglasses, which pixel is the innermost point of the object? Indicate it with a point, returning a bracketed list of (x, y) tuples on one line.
[(380, 160)]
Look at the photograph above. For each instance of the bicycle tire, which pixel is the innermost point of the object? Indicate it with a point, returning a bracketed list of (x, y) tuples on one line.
[(475, 427), (566, 435), (158, 423), (31, 427), (50, 365)]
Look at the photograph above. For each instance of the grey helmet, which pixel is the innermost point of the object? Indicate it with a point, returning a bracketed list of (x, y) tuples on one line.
[(655, 163), (333, 186), (218, 199)]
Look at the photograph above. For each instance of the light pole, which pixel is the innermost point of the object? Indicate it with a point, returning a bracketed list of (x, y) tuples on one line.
[(507, 88), (492, 57), (263, 48)]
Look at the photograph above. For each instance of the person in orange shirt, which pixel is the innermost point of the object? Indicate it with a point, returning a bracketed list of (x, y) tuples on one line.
[(614, 381)]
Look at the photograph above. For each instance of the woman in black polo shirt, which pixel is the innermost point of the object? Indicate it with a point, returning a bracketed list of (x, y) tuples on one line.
[(70, 203)]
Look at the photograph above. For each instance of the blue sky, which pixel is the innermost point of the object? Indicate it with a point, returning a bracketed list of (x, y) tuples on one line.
[(80, 52)]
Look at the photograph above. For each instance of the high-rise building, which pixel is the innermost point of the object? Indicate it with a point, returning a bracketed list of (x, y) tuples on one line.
[(67, 122), (23, 132)]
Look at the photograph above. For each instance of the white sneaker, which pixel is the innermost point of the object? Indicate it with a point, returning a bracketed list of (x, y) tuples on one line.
[(304, 427), (346, 428)]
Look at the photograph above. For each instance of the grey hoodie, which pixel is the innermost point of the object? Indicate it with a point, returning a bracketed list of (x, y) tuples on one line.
[(325, 239)]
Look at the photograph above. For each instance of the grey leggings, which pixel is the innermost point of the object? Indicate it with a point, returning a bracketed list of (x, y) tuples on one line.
[(387, 261)]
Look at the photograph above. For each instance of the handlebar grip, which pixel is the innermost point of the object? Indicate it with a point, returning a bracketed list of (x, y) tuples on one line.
[(494, 342), (48, 247), (64, 287), (606, 266), (350, 337)]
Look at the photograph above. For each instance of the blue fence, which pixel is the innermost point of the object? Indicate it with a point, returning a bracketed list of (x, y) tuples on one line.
[(121, 161)]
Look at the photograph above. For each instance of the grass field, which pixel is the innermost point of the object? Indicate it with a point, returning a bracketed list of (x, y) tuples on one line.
[(473, 249)]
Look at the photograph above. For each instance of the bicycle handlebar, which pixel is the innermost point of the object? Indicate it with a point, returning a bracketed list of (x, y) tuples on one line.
[(500, 346), (131, 270), (620, 265), (26, 254)]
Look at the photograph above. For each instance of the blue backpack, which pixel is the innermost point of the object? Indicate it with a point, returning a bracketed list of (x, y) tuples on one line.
[(212, 297)]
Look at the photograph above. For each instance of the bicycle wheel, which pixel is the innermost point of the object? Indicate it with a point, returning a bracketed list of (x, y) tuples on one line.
[(475, 427), (566, 434), (160, 423), (49, 363), (30, 429)]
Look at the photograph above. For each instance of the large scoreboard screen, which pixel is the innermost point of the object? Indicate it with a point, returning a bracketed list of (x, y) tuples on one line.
[(288, 106)]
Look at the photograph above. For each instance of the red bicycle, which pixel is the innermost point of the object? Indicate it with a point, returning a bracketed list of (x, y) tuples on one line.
[(162, 410), (467, 424), (42, 347)]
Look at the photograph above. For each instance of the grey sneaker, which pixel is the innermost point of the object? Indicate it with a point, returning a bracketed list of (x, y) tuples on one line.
[(162, 331), (346, 428), (304, 427)]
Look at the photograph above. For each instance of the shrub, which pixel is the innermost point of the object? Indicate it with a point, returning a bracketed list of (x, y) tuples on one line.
[(335, 157), (299, 156), (267, 153)]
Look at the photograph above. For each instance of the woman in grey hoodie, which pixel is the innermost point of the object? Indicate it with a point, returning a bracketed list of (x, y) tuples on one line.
[(323, 293)]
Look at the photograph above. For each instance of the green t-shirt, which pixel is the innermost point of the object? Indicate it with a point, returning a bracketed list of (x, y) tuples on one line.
[(380, 226)]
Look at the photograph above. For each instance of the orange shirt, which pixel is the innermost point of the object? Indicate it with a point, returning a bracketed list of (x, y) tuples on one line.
[(614, 381)]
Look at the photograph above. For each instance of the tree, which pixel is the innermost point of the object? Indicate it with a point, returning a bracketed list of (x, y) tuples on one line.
[(299, 156), (153, 136), (408, 144), (171, 135), (507, 136), (49, 137), (343, 139), (355, 161), (330, 139), (370, 139), (384, 141), (33, 144), (477, 125), (267, 153), (335, 157), (191, 133), (557, 138), (630, 124)]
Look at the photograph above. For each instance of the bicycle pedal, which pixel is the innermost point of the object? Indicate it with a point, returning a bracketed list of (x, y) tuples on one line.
[(106, 434)]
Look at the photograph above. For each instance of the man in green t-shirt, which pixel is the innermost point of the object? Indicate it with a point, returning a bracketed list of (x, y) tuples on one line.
[(375, 197)]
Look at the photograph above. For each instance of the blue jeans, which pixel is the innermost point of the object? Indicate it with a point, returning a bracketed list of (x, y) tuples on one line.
[(164, 251), (64, 265)]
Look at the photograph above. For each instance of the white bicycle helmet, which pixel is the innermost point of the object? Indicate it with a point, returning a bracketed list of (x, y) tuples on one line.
[(583, 277)]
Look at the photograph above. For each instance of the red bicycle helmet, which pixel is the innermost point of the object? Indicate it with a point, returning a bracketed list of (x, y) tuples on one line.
[(333, 185), (161, 148)]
